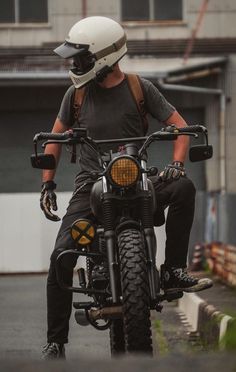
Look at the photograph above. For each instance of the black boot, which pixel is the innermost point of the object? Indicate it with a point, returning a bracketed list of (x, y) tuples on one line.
[(177, 279), (53, 350)]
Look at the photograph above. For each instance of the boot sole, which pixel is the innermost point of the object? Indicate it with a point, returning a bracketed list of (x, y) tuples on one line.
[(201, 286)]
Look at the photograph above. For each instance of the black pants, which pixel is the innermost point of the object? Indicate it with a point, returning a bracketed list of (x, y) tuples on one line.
[(179, 195)]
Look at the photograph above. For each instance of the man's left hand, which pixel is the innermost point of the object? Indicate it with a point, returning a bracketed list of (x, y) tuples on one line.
[(173, 171)]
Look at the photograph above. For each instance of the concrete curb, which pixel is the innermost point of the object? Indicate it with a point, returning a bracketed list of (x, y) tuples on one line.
[(203, 318)]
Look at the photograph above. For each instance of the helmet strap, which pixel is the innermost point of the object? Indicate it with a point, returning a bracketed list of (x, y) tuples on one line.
[(102, 74), (111, 48)]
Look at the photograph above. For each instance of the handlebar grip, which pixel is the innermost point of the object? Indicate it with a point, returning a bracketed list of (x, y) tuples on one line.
[(193, 129), (52, 136)]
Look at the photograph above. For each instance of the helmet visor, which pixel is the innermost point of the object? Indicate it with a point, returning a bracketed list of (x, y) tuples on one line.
[(68, 50)]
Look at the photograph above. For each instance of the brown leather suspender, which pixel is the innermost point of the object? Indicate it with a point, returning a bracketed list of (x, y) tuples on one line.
[(135, 86), (78, 101)]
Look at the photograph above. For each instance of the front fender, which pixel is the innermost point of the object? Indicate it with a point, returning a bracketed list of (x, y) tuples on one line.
[(125, 225), (96, 201)]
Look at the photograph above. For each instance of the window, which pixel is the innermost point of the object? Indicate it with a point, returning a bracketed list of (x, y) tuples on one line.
[(151, 10), (23, 11)]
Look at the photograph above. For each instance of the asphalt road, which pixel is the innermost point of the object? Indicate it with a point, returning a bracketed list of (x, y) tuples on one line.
[(23, 332), (23, 322)]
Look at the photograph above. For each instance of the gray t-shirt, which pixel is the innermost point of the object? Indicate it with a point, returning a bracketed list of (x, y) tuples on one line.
[(110, 113)]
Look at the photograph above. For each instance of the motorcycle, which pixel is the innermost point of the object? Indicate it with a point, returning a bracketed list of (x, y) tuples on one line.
[(123, 239)]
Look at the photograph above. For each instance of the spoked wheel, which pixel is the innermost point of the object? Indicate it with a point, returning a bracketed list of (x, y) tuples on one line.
[(135, 292)]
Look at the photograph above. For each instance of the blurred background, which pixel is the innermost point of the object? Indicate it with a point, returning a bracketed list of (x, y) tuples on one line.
[(187, 48)]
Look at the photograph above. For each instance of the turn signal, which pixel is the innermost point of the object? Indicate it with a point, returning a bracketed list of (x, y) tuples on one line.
[(82, 232)]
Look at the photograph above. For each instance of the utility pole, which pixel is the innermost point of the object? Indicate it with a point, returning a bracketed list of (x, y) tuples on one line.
[(191, 41)]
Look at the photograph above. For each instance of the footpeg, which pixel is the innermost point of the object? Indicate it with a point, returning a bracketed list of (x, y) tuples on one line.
[(159, 308), (173, 296), (82, 305), (167, 296)]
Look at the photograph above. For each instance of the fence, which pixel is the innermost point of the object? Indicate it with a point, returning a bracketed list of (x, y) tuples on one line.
[(220, 258)]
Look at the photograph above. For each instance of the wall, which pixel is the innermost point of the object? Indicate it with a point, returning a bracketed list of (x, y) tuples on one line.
[(62, 15), (204, 109), (220, 218), (34, 109), (23, 113), (231, 125), (27, 237), (219, 21)]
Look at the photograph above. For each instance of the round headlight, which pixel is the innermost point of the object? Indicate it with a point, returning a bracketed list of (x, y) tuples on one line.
[(124, 171)]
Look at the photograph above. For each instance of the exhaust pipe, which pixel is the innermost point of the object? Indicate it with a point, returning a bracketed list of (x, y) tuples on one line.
[(114, 312)]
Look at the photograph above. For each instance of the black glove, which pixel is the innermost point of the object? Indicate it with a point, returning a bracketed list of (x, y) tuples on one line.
[(173, 171), (48, 200)]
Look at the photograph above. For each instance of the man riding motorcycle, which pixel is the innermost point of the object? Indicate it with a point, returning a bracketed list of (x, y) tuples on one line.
[(96, 45)]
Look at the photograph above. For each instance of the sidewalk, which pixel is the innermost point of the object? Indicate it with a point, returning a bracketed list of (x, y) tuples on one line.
[(212, 313)]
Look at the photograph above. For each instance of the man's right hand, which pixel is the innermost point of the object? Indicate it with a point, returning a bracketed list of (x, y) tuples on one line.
[(48, 200)]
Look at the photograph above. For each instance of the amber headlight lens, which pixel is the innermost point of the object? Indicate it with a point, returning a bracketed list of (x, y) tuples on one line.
[(124, 172)]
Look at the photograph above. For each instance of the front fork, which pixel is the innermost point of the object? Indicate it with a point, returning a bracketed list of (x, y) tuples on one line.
[(149, 235), (110, 240), (147, 220)]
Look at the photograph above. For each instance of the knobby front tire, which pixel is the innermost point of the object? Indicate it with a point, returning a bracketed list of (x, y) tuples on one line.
[(135, 292)]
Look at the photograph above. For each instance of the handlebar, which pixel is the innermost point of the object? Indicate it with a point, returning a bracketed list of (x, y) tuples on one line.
[(52, 136), (168, 133), (79, 135), (75, 134), (188, 129)]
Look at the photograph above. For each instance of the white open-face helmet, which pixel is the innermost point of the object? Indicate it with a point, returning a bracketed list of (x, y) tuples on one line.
[(95, 44)]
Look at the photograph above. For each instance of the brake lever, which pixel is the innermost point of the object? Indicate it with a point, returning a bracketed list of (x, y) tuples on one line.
[(195, 135), (69, 141)]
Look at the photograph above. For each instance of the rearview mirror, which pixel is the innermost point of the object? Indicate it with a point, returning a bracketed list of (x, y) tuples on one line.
[(200, 152), (43, 161)]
